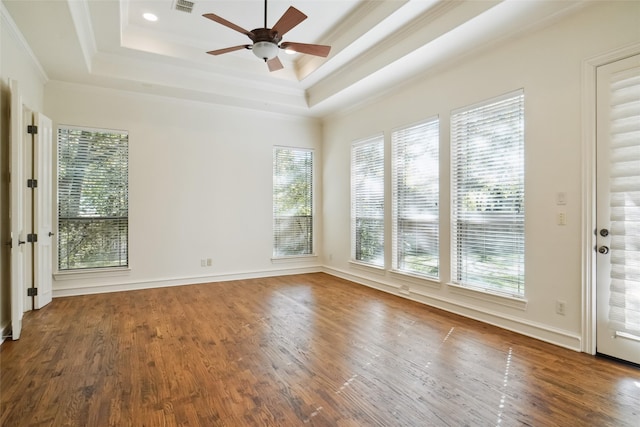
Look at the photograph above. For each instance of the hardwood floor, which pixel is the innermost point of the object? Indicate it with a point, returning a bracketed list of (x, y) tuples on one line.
[(294, 351)]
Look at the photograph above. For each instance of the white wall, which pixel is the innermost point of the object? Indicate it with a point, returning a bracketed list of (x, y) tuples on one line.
[(199, 185), (17, 63), (548, 65)]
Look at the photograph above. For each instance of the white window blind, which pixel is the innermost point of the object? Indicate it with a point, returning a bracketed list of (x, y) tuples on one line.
[(624, 199), (292, 202), (415, 206), (488, 195), (93, 224), (367, 201)]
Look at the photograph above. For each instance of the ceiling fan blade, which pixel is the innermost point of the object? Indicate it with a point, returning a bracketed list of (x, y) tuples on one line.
[(309, 49), (226, 23), (274, 64), (228, 49), (290, 19)]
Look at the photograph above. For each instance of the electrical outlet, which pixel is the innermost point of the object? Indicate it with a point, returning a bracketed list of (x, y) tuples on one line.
[(203, 263), (561, 307), (209, 262)]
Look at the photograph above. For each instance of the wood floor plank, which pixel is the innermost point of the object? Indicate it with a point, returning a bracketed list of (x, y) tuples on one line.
[(294, 351)]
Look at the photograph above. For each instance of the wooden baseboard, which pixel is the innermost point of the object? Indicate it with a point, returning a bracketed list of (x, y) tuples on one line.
[(83, 289), (5, 331)]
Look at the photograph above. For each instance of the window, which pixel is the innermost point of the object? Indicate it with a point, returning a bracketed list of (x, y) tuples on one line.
[(93, 223), (415, 199), (488, 195), (292, 202), (367, 201)]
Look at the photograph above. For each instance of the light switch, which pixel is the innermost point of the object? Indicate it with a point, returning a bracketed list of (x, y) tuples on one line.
[(562, 218)]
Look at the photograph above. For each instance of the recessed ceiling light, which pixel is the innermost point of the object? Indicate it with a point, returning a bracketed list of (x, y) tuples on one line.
[(150, 17)]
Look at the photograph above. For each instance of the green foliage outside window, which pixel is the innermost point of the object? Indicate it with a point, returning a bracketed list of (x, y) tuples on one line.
[(92, 198)]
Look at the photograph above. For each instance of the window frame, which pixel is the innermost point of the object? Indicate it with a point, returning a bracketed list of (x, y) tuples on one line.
[(354, 249), (92, 270), (518, 289), (312, 219), (430, 146)]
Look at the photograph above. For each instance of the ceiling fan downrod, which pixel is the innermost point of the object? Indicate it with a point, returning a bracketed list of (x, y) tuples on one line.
[(265, 13)]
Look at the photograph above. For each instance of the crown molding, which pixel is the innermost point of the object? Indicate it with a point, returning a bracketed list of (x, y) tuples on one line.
[(81, 18), (444, 17), (365, 16)]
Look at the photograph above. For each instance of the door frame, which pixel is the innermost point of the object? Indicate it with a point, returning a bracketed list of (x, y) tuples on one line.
[(589, 140)]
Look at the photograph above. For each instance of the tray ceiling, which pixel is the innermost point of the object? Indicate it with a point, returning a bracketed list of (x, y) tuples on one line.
[(376, 45)]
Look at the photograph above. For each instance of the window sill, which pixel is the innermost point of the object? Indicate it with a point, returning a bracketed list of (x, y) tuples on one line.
[(294, 258), (416, 279), (519, 303), (93, 272), (368, 267)]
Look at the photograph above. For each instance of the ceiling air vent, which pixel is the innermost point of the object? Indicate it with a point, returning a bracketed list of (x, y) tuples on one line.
[(183, 6)]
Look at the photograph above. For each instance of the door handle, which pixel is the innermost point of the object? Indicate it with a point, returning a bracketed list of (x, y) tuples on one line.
[(21, 242), (603, 249)]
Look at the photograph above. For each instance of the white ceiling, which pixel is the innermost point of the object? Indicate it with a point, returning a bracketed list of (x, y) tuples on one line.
[(376, 45)]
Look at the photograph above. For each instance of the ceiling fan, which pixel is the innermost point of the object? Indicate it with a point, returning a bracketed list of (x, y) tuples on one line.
[(266, 41)]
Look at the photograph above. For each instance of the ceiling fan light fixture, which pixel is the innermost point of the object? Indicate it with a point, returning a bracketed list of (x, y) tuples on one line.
[(265, 50)]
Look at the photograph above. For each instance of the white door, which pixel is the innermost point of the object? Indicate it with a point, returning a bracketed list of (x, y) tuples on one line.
[(618, 209), (16, 200), (42, 210)]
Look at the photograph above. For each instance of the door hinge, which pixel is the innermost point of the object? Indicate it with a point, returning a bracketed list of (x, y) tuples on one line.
[(32, 129), (32, 238), (32, 292), (32, 183)]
